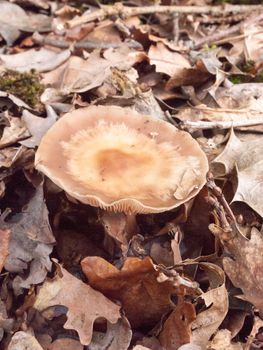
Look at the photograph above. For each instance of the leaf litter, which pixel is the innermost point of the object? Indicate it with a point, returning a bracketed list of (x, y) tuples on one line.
[(76, 277)]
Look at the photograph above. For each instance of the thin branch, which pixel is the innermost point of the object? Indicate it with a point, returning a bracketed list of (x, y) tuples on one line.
[(119, 9), (202, 125), (83, 44), (236, 29)]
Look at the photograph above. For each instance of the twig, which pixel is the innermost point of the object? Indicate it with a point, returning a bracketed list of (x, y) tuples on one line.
[(83, 44), (202, 125), (229, 227), (215, 38), (119, 9), (217, 192)]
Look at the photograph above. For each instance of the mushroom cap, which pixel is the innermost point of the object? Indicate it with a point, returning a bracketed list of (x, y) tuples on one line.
[(117, 159)]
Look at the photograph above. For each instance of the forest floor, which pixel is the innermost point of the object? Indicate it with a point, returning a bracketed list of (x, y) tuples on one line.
[(188, 275)]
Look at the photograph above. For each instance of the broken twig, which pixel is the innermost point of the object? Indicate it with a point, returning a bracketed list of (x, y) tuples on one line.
[(202, 125), (83, 44), (225, 34), (119, 9)]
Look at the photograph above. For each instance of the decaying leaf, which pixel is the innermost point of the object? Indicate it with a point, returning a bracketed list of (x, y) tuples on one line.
[(222, 341), (24, 341), (177, 328), (117, 337), (253, 43), (65, 344), (244, 267), (4, 246), (42, 60), (135, 285), (167, 61), (37, 126), (216, 302), (239, 102), (79, 75), (247, 159), (83, 303), (31, 242), (14, 18), (14, 131)]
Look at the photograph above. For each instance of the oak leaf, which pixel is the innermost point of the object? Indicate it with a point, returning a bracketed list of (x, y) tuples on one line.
[(84, 304), (143, 298), (246, 157)]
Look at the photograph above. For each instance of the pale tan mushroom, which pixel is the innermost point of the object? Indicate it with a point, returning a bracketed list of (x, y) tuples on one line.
[(116, 159)]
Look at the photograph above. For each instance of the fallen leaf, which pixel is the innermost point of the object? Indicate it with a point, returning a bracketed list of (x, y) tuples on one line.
[(222, 341), (14, 99), (177, 328), (253, 43), (31, 242), (37, 126), (6, 324), (42, 60), (167, 61), (246, 158), (216, 302), (239, 102), (14, 131), (79, 75), (14, 18), (244, 266), (24, 341), (65, 344), (117, 337), (84, 304), (4, 246), (143, 298)]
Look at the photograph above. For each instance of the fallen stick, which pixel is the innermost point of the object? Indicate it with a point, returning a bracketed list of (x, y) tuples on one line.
[(119, 9), (83, 44), (215, 38), (202, 125)]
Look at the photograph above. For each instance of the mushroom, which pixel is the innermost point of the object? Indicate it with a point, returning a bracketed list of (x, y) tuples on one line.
[(116, 159)]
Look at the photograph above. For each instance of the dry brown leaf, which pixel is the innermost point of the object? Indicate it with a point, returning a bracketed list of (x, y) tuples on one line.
[(84, 304), (222, 341), (24, 341), (246, 157), (13, 132), (31, 242), (143, 299), (190, 346), (216, 302), (6, 324), (257, 325), (240, 102), (37, 126), (244, 267), (177, 328), (79, 75), (42, 60), (167, 61), (253, 43), (14, 18), (117, 337), (187, 76), (13, 99), (65, 344), (4, 246)]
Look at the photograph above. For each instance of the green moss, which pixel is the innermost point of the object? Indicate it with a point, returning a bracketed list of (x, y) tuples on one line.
[(259, 78), (207, 48), (26, 86), (236, 79)]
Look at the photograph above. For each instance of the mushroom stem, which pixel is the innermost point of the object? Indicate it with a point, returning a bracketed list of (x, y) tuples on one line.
[(131, 227), (122, 227)]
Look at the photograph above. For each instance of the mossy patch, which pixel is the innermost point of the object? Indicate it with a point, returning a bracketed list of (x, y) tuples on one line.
[(26, 86)]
